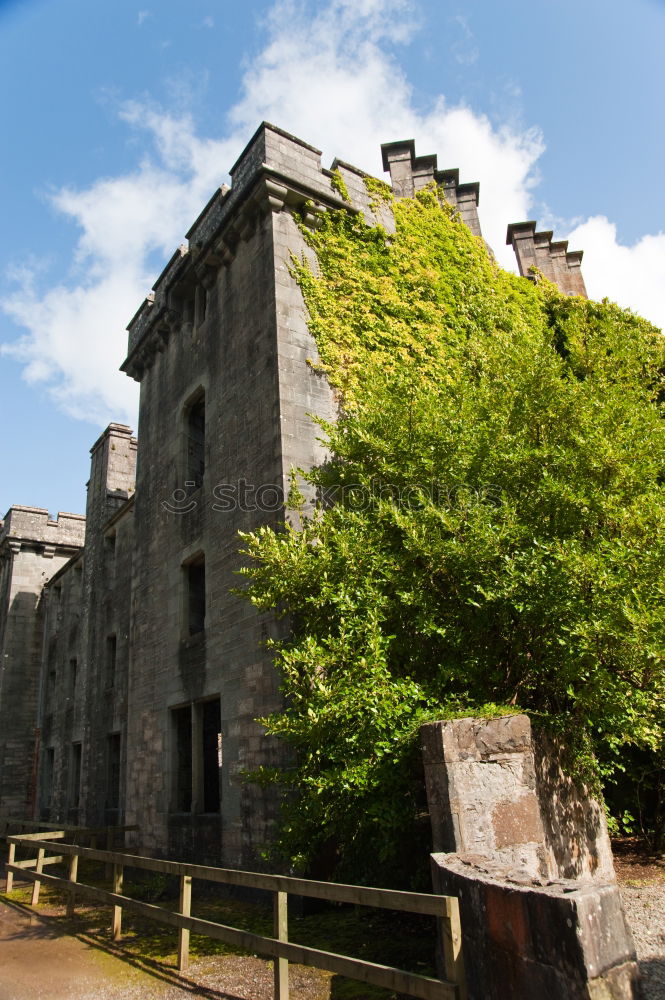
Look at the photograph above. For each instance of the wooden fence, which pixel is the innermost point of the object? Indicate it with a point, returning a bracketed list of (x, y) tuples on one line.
[(279, 948), (93, 835)]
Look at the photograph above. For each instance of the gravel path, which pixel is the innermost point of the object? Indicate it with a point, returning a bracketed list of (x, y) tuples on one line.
[(645, 910)]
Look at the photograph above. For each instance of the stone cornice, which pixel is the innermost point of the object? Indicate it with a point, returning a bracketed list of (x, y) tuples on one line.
[(271, 192)]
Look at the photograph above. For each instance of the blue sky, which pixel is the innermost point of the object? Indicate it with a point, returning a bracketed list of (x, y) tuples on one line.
[(119, 120)]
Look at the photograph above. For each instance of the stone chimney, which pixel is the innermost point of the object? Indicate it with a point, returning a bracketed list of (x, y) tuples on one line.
[(553, 260), (410, 173), (112, 472)]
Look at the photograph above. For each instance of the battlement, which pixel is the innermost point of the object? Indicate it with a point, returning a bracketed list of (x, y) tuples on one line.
[(277, 171), (553, 259), (410, 173), (34, 526), (274, 169)]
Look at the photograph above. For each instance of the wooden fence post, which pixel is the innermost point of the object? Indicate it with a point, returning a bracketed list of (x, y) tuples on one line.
[(37, 884), (183, 932), (453, 957), (281, 932), (116, 929), (73, 872), (11, 857)]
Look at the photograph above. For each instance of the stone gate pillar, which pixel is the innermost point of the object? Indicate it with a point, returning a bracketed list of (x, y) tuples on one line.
[(528, 855)]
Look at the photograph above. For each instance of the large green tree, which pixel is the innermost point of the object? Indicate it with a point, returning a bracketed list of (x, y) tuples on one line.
[(491, 530)]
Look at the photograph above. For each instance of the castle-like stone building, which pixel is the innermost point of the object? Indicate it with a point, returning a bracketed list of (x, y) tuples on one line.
[(130, 675)]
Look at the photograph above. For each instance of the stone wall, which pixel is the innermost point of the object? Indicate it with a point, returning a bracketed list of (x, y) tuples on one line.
[(496, 791), (553, 259), (33, 547), (527, 853), (85, 650), (563, 940)]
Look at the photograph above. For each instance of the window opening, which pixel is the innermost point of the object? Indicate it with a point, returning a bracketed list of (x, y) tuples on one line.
[(73, 671), (195, 573), (212, 752), (75, 776), (195, 428), (48, 767), (197, 757), (182, 764)]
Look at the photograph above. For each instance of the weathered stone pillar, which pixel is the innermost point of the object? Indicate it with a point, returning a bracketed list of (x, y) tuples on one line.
[(528, 855)]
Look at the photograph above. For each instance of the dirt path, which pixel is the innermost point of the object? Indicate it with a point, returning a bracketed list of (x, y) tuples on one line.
[(39, 960)]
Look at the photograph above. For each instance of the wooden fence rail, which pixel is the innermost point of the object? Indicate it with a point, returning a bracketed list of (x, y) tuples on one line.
[(9, 826), (52, 832), (278, 947)]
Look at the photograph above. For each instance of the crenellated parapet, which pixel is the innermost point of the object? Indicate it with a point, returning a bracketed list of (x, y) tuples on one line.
[(33, 527), (275, 172), (537, 252), (410, 173)]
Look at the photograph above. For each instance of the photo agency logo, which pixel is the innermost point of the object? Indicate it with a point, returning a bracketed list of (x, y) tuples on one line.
[(243, 496), (268, 498)]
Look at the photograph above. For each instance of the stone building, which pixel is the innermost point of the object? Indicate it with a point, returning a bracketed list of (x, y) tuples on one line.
[(131, 675)]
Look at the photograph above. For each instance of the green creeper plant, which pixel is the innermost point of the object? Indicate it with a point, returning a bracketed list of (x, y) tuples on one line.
[(490, 537)]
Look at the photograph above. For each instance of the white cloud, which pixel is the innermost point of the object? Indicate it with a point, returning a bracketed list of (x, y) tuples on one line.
[(337, 61), (73, 343), (633, 276), (464, 49), (143, 16), (208, 22), (328, 77)]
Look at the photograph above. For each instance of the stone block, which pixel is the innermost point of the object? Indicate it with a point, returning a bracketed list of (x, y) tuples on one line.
[(497, 790), (562, 940)]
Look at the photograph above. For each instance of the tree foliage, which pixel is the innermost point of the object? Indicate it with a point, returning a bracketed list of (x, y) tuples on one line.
[(497, 536)]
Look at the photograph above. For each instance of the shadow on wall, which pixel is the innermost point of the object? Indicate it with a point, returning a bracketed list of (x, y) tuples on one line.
[(573, 821)]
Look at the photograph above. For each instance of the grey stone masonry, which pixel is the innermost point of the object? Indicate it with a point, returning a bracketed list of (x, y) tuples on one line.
[(553, 260), (34, 526), (556, 940), (83, 708), (32, 549), (527, 853), (497, 790)]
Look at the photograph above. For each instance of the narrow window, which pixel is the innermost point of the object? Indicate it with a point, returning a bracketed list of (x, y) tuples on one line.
[(182, 759), (195, 579), (50, 688), (212, 752), (111, 655), (195, 429), (113, 771), (75, 777)]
